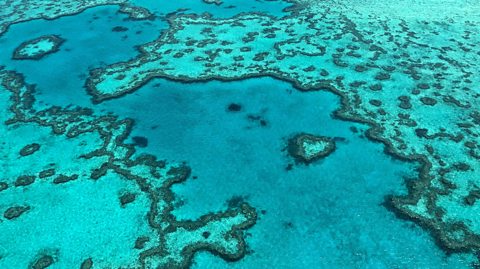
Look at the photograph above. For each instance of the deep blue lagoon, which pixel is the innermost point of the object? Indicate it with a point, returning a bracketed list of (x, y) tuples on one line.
[(233, 134)]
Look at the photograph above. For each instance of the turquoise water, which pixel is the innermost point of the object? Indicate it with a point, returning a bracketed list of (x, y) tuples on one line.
[(327, 214)]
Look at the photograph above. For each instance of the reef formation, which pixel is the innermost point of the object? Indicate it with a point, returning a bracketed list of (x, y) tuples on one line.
[(307, 148), (417, 90), (37, 48), (16, 11), (103, 201), (216, 2)]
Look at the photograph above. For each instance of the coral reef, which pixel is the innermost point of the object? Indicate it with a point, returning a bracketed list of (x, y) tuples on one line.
[(29, 149), (15, 212), (417, 91), (17, 11), (97, 165), (37, 48), (43, 262), (307, 148), (136, 13), (216, 2)]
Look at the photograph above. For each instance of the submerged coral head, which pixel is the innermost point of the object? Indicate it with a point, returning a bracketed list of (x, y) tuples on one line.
[(140, 141)]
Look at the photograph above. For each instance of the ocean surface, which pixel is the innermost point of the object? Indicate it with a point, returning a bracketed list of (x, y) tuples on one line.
[(241, 198)]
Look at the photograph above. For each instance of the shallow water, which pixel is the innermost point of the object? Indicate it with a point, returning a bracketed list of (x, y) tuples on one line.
[(330, 213), (325, 215)]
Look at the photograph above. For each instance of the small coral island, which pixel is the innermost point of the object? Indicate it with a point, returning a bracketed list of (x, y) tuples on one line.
[(307, 148), (37, 48)]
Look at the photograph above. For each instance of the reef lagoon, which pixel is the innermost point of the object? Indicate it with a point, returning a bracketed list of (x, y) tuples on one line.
[(239, 134)]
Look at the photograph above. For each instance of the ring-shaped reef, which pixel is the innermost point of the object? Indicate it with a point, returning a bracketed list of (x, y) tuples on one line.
[(308, 148), (37, 48)]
